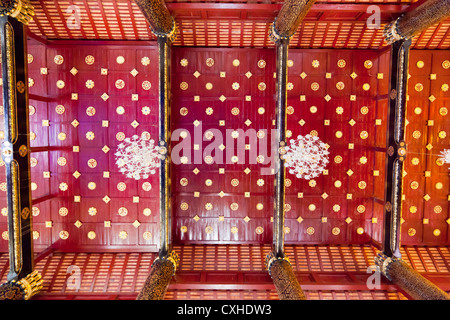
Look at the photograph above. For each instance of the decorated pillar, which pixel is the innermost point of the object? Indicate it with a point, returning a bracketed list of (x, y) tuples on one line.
[(23, 289), (413, 283), (284, 279), (412, 23), (396, 147), (283, 28), (163, 268), (16, 146)]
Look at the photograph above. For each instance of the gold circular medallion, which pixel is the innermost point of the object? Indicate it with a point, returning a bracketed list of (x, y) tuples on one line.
[(261, 111), (416, 134), (209, 86), (338, 184), (312, 183), (64, 234), (418, 87), (261, 64), (364, 110), (335, 231), (313, 109), (209, 111), (439, 185), (121, 186), (315, 64), (92, 211), (361, 208), (145, 61), (89, 60), (443, 111), (340, 85), (339, 134), (210, 62), (290, 63), (184, 206), (123, 234), (442, 134), (259, 206), (312, 207), (184, 62), (92, 163), (58, 59), (368, 64), (30, 58), (411, 232), (184, 182), (415, 161), (290, 110), (62, 136), (341, 63), (235, 86), (120, 110), (437, 209), (91, 235), (414, 185), (184, 111), (183, 229), (60, 84), (363, 160), (364, 135), (339, 110), (436, 232), (262, 86), (310, 231), (120, 84), (63, 186), (445, 87), (61, 161), (184, 86), (120, 59), (235, 111), (209, 229), (259, 230), (362, 185), (122, 211), (146, 85), (337, 159), (236, 62), (336, 208), (120, 136), (234, 182), (90, 135), (147, 235), (147, 212), (63, 211), (32, 110), (315, 86), (146, 186), (360, 231), (420, 64), (234, 206), (90, 84), (417, 110), (366, 87), (90, 111), (446, 64)]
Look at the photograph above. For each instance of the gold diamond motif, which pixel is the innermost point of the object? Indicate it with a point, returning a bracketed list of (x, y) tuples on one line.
[(196, 218), (75, 123), (222, 98), (197, 74), (352, 122), (324, 196), (221, 194), (73, 71), (429, 146), (106, 149), (247, 170), (427, 197), (299, 219), (76, 174), (105, 96), (106, 199), (196, 123), (248, 122), (196, 171), (136, 224), (78, 224), (354, 75), (247, 219), (350, 172), (303, 75), (348, 220), (134, 72), (248, 75), (135, 124), (432, 98), (327, 98), (302, 122)]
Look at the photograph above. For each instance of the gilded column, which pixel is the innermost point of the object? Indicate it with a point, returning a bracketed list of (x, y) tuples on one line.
[(290, 16), (417, 20), (23, 289), (163, 268), (157, 15), (412, 282), (284, 279), (16, 146), (396, 147)]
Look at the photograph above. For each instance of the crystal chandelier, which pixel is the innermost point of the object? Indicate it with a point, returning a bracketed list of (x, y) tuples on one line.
[(137, 157), (445, 156), (306, 157)]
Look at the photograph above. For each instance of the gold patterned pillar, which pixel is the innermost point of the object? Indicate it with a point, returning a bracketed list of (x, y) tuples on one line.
[(158, 16), (284, 279), (23, 289), (163, 268), (417, 20), (290, 16), (408, 279), (16, 146)]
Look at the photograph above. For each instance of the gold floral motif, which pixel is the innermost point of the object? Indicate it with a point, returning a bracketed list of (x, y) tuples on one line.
[(313, 109), (443, 111), (58, 59), (361, 208), (437, 209), (262, 86), (184, 206), (64, 234), (147, 212), (183, 229), (146, 85), (341, 63), (335, 231), (339, 134), (120, 84), (445, 87), (315, 64), (234, 182), (261, 110), (340, 85), (446, 64), (210, 62), (123, 234), (235, 86), (145, 61), (416, 134), (339, 110), (120, 136), (121, 186), (315, 86), (338, 159), (310, 231), (235, 111), (312, 183), (368, 64), (92, 163), (184, 86), (442, 134), (360, 231)]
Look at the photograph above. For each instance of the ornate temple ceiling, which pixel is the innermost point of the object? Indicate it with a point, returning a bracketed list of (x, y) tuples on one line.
[(330, 24)]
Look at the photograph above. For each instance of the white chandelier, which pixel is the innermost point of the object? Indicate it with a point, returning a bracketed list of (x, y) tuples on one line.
[(137, 157), (306, 157), (445, 156)]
